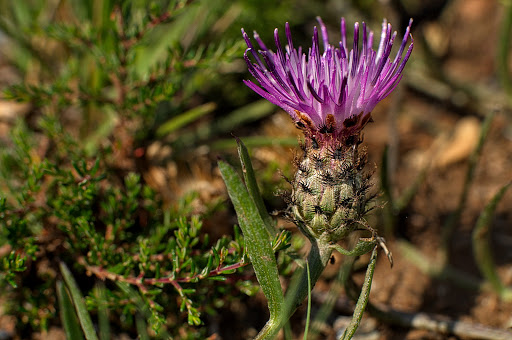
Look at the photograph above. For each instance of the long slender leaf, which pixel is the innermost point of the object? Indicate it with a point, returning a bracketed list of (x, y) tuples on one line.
[(257, 240), (185, 118), (504, 47), (251, 112), (387, 195), (78, 302), (254, 141), (252, 186), (406, 197), (229, 122), (103, 320), (67, 314), (453, 219), (482, 245), (141, 325), (308, 313), (363, 298)]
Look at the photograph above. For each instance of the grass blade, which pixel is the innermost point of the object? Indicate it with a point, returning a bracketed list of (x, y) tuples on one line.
[(67, 314), (142, 326), (504, 47), (78, 302), (255, 141), (453, 219), (243, 115), (308, 313), (185, 118), (482, 245), (388, 210), (103, 319)]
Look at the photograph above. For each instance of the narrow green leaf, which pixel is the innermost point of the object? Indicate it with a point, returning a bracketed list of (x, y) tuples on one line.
[(67, 314), (216, 278), (103, 320), (452, 220), (252, 186), (81, 310), (385, 183), (387, 195), (363, 298), (433, 268), (301, 283), (406, 197), (482, 245), (503, 52), (22, 13), (185, 118), (229, 122), (255, 141), (248, 113), (257, 240), (142, 327), (308, 313)]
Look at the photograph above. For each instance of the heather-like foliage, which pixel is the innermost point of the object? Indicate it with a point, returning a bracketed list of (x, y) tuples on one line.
[(107, 78)]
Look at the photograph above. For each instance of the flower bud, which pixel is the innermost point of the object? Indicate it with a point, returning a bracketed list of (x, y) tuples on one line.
[(329, 190)]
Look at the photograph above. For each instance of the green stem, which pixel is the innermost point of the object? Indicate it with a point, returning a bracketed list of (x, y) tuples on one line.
[(318, 258), (452, 221), (482, 251), (364, 296), (504, 48)]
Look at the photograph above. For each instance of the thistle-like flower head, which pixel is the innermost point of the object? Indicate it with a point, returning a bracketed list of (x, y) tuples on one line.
[(330, 95)]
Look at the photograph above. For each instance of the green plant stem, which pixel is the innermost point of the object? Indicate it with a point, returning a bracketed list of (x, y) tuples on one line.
[(451, 223), (363, 298), (318, 258), (387, 196), (504, 47), (308, 314), (481, 238), (328, 304)]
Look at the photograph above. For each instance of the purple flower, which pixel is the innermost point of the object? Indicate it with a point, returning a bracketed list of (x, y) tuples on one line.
[(329, 94)]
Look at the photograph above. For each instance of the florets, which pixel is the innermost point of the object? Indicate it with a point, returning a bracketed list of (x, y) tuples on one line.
[(329, 94)]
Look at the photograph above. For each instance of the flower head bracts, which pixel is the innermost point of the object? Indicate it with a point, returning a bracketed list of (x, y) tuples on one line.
[(330, 95)]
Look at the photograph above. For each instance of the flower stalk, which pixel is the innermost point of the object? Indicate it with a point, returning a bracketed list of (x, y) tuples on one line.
[(330, 96)]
